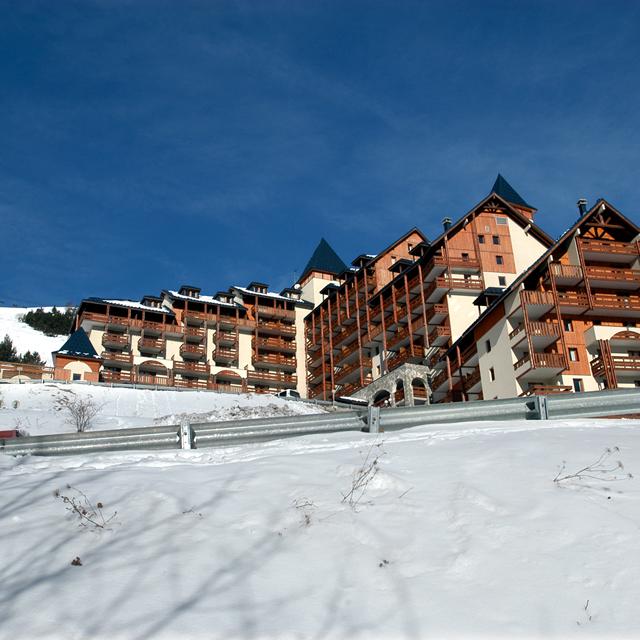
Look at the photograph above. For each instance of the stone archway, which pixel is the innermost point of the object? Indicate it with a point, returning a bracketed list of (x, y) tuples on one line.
[(382, 399)]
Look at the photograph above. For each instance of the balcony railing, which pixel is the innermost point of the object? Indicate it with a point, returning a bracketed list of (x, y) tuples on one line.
[(192, 351), (439, 332), (608, 246), (274, 379), (276, 344), (276, 327), (543, 298), (612, 274), (225, 355), (573, 299), (351, 368), (190, 367), (619, 363), (542, 361), (115, 339), (613, 302), (194, 332), (546, 389), (151, 344), (566, 271), (274, 312), (115, 376), (116, 356), (274, 360)]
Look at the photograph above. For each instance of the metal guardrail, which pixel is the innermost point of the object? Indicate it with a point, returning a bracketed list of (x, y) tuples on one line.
[(187, 435)]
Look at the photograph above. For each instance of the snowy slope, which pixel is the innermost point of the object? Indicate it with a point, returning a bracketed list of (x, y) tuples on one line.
[(32, 407), (24, 337), (462, 533)]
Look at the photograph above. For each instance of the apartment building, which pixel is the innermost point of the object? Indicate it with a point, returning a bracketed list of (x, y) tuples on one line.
[(383, 323), (243, 339), (569, 322)]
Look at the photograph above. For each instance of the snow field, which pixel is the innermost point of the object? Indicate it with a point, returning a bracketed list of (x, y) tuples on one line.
[(24, 337), (461, 533), (32, 407)]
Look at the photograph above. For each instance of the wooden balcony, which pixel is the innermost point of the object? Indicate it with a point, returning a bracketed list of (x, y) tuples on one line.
[(283, 380), (615, 305), (116, 377), (546, 389), (472, 382), (222, 354), (194, 333), (94, 318), (120, 321), (437, 313), (276, 344), (623, 366), (542, 334), (173, 329), (118, 358), (151, 345), (462, 263), (274, 361), (345, 335), (192, 351), (191, 368), (434, 357), (439, 336), (566, 274), (158, 381), (439, 380), (226, 338), (536, 303), (117, 340), (274, 312), (351, 371), (196, 318), (540, 364), (613, 277), (276, 328), (351, 388), (149, 327), (191, 383), (608, 250), (573, 301), (398, 338)]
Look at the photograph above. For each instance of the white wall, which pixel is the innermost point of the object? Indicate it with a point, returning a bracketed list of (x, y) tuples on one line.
[(501, 358), (526, 248), (462, 312)]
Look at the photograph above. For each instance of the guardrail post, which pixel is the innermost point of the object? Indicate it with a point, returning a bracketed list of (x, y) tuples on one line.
[(373, 419), (543, 409), (185, 434)]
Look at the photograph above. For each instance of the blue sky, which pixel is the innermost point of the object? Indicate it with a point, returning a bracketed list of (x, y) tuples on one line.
[(148, 144)]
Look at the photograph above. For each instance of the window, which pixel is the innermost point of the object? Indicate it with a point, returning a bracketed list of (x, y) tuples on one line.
[(495, 239), (636, 383), (393, 259), (492, 374), (77, 376), (568, 325), (499, 260), (480, 239), (409, 247), (501, 220), (634, 354), (465, 257), (577, 385), (573, 354), (502, 281), (487, 344)]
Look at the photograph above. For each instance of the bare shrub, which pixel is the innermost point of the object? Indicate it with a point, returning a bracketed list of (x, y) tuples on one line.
[(306, 507), (79, 411), (363, 475), (603, 469), (89, 515)]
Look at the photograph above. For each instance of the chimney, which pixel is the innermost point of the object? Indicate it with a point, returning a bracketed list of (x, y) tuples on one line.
[(582, 206), (446, 223)]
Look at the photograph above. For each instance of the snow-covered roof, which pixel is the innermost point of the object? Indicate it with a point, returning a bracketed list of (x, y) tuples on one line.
[(269, 294), (132, 304), (201, 298)]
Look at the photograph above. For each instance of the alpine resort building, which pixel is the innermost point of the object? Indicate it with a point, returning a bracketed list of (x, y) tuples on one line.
[(491, 308)]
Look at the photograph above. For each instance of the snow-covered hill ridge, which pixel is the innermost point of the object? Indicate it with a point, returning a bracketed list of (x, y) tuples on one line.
[(33, 407), (24, 337), (257, 541)]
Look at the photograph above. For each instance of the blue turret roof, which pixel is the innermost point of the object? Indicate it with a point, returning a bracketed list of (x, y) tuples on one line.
[(78, 345), (324, 259), (508, 193)]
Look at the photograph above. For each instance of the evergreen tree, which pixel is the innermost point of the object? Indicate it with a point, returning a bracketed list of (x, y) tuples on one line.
[(8, 351), (32, 358)]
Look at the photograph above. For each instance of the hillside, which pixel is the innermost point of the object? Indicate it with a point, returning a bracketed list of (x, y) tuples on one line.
[(461, 533), (33, 407), (25, 338)]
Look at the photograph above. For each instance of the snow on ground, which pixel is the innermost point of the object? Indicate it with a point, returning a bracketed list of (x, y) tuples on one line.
[(24, 337), (32, 407), (462, 533)]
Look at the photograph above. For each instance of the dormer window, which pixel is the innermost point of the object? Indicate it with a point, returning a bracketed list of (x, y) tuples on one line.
[(258, 287)]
